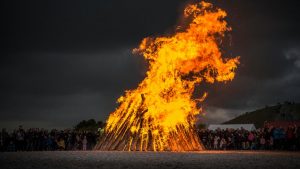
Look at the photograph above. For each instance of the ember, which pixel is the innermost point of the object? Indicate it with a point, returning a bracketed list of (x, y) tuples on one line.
[(160, 114)]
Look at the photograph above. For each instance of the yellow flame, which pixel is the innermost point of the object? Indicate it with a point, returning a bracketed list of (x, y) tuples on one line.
[(162, 105)]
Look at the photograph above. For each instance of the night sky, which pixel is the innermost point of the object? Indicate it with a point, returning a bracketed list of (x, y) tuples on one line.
[(63, 61)]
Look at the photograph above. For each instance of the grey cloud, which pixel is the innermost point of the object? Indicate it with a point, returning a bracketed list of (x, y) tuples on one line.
[(215, 115), (294, 55)]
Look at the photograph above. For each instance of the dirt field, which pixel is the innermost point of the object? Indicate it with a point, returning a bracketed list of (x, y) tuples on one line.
[(139, 160)]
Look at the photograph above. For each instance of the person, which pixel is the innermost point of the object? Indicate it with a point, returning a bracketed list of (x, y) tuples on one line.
[(223, 144), (244, 141), (11, 146), (230, 142), (69, 141), (271, 143), (262, 142), (78, 142), (297, 137), (101, 131), (61, 144), (251, 138), (20, 138), (281, 138), (290, 136), (276, 138), (4, 140), (1, 141), (84, 143), (49, 143), (216, 141)]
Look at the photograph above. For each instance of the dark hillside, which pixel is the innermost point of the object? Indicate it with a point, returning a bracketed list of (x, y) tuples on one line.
[(281, 112)]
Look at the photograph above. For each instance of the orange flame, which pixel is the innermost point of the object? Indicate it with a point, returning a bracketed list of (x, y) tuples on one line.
[(160, 114)]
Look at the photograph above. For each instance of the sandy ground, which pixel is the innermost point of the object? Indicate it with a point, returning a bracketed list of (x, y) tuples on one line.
[(139, 160)]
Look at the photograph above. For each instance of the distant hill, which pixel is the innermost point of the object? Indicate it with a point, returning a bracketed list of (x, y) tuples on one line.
[(281, 112)]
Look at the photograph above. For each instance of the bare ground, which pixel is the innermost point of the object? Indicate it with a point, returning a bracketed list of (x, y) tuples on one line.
[(139, 160)]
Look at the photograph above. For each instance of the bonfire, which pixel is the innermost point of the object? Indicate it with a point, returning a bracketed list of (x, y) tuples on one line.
[(160, 114)]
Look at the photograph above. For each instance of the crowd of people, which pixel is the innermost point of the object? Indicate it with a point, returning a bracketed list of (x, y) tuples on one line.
[(266, 138), (36, 139)]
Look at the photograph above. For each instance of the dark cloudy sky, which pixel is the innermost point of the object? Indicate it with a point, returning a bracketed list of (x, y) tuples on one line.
[(63, 61)]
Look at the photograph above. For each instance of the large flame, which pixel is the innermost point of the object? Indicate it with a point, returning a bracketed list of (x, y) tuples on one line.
[(160, 114)]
